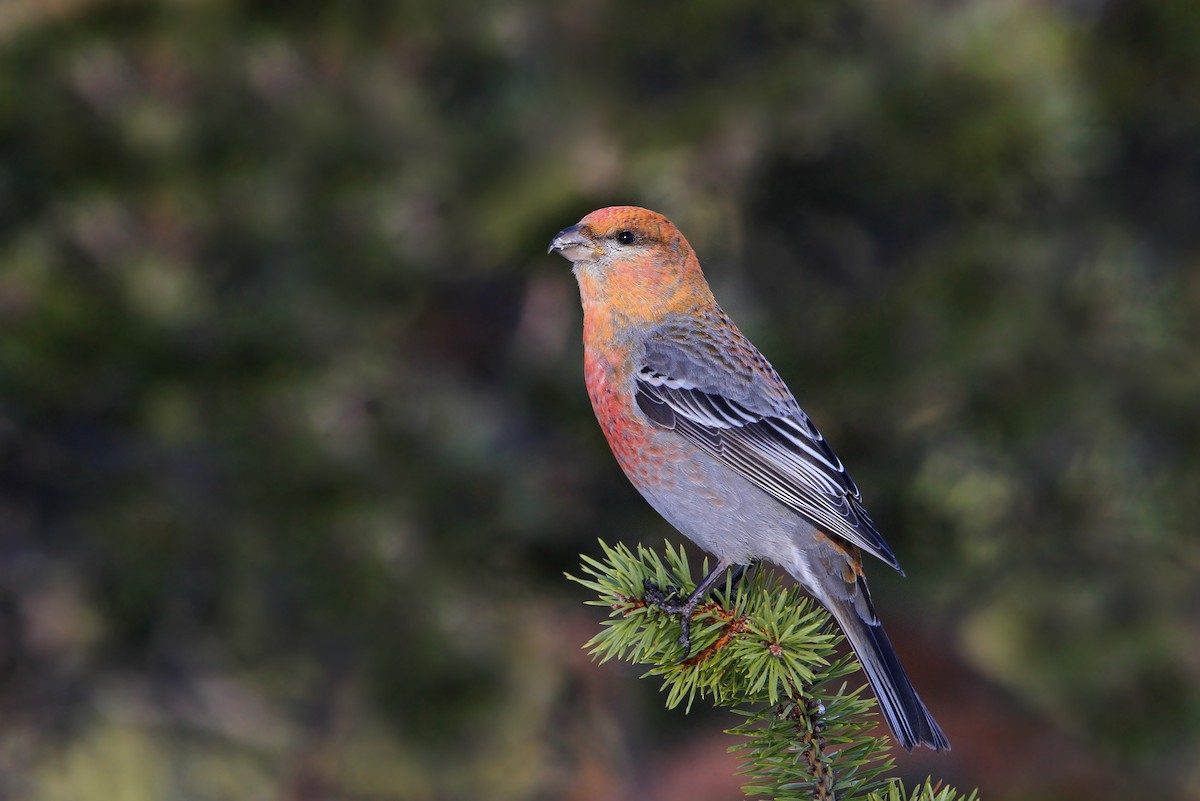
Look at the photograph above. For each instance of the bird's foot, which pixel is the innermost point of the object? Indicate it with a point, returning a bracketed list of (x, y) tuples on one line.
[(667, 600)]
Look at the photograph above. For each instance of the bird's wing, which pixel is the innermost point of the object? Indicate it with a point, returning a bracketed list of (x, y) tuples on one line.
[(727, 399)]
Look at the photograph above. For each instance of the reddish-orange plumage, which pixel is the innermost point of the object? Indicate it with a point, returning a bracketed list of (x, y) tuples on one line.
[(615, 412)]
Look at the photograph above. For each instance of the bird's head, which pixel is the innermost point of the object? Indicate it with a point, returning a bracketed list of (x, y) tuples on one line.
[(630, 254), (617, 233)]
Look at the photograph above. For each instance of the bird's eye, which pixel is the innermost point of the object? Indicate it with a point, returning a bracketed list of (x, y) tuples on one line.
[(625, 237)]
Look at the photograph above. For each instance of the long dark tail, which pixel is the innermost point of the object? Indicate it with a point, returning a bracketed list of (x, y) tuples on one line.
[(907, 716)]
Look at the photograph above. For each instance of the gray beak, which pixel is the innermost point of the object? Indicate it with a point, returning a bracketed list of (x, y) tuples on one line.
[(572, 243)]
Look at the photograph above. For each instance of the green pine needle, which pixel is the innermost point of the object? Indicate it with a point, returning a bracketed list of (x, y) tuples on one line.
[(769, 655)]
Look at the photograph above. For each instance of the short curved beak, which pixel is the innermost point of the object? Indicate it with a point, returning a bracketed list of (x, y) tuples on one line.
[(572, 243)]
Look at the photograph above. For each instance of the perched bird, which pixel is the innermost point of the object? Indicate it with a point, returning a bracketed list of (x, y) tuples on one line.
[(711, 436)]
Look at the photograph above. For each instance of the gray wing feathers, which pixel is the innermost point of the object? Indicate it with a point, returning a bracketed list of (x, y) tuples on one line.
[(753, 425)]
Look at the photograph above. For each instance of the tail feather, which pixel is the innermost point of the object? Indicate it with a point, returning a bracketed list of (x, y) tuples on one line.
[(907, 716)]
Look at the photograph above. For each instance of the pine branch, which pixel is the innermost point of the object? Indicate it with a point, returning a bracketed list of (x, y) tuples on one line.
[(767, 653)]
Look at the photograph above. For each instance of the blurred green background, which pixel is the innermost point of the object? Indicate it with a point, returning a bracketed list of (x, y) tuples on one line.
[(294, 446)]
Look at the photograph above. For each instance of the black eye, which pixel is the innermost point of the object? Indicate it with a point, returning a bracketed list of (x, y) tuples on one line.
[(625, 237)]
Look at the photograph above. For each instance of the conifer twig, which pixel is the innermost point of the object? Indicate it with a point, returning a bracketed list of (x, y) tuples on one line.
[(768, 654)]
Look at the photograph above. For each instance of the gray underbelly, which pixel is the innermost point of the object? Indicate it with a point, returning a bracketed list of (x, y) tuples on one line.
[(723, 513)]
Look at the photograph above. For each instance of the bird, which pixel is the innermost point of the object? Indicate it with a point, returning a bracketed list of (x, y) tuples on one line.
[(709, 434)]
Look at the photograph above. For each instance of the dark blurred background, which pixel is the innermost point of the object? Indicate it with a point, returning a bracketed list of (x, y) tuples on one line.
[(294, 446)]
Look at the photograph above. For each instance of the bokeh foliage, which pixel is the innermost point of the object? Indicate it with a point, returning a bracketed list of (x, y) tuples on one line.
[(293, 443)]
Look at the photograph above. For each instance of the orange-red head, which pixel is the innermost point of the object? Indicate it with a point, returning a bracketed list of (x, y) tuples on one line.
[(632, 263)]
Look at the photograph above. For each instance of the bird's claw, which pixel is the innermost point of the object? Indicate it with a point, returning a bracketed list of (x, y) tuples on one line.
[(662, 598), (667, 599), (685, 635)]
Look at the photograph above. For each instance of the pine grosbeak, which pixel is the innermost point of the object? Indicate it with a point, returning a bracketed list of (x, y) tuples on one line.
[(705, 429)]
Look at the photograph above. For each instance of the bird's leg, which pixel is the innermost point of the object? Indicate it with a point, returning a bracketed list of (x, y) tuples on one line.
[(685, 608), (740, 571)]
